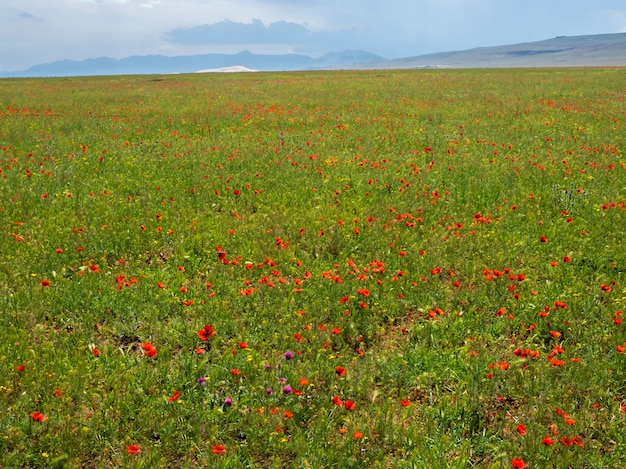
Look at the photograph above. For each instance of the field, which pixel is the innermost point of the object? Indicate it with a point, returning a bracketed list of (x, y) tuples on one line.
[(419, 268)]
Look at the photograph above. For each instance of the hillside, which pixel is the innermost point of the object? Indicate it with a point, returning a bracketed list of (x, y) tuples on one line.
[(563, 51)]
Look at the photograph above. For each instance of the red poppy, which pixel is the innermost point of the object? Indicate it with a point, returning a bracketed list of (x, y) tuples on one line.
[(206, 332), (149, 349), (45, 283), (547, 441), (133, 449), (337, 401), (521, 429), (219, 449), (405, 402), (357, 435), (174, 397), (518, 463), (38, 417), (340, 370), (349, 405)]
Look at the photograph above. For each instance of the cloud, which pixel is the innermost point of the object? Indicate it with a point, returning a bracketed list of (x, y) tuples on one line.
[(229, 32)]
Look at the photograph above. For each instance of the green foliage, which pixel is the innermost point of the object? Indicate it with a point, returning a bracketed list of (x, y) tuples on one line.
[(400, 269)]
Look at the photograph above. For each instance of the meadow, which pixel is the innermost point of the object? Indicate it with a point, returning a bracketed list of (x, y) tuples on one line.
[(418, 268)]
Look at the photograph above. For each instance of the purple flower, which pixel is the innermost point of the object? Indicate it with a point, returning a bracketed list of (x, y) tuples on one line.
[(268, 367), (287, 389), (228, 402), (201, 381), (288, 355), (269, 390)]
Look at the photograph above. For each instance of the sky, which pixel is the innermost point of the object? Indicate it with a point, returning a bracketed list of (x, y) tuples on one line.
[(33, 32)]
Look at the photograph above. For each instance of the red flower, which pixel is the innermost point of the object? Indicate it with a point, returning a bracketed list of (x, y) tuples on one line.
[(405, 402), (349, 405), (219, 449), (340, 370), (174, 397), (206, 332), (133, 449), (435, 271), (149, 349), (518, 463), (521, 429), (543, 239), (337, 401), (45, 283), (38, 416)]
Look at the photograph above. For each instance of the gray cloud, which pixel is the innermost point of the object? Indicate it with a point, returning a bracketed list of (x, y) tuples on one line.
[(229, 32)]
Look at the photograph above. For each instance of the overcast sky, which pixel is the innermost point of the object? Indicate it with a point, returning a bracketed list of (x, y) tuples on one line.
[(42, 31)]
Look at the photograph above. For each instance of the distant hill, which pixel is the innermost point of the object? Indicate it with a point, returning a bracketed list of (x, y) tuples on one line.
[(158, 64), (562, 51)]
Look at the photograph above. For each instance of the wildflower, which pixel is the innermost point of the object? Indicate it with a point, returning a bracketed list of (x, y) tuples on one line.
[(405, 402), (337, 401), (228, 402), (288, 355), (133, 449), (543, 239), (518, 463), (349, 405), (218, 449), (357, 435), (340, 370), (547, 441), (38, 417), (288, 414), (206, 332), (174, 397), (45, 283), (149, 349), (287, 389), (521, 429), (201, 381)]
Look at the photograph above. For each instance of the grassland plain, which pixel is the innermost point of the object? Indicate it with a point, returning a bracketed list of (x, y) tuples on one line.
[(419, 268)]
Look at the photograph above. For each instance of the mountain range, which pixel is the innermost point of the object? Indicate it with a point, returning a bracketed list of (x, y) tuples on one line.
[(562, 51)]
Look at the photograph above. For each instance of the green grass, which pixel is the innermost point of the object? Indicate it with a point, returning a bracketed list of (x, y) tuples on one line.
[(444, 249)]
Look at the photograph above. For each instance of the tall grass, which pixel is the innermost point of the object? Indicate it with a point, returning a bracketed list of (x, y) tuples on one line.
[(399, 269)]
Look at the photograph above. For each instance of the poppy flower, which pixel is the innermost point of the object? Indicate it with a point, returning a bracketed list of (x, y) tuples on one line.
[(174, 397), (38, 417), (337, 401), (206, 332), (405, 402), (133, 449), (45, 283), (149, 349), (219, 449), (547, 441), (340, 370), (521, 429), (518, 463), (349, 405), (357, 435)]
